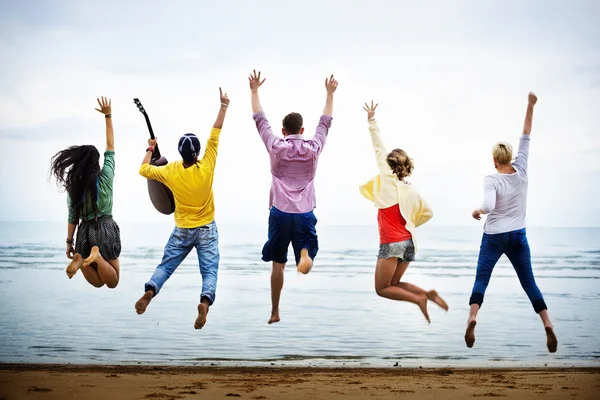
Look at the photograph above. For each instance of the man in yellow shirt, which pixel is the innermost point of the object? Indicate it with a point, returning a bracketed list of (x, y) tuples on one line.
[(191, 181)]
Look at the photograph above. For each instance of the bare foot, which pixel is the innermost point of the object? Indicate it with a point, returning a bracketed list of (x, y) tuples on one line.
[(201, 320), (274, 318), (305, 264), (93, 258), (142, 303), (435, 297), (551, 340), (74, 266), (423, 306), (470, 333)]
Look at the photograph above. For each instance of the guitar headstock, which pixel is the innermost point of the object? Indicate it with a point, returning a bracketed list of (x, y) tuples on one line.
[(139, 105)]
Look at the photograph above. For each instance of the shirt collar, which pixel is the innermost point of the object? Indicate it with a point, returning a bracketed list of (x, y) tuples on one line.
[(294, 137)]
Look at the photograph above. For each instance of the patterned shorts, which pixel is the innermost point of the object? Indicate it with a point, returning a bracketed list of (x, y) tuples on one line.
[(103, 233), (404, 251)]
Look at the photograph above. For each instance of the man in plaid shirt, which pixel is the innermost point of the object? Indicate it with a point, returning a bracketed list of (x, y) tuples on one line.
[(292, 197)]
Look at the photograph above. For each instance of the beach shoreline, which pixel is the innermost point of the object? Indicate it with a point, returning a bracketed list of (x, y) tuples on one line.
[(63, 381)]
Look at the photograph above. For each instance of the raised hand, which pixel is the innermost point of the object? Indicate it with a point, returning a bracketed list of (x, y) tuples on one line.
[(370, 110), (532, 99), (152, 142), (331, 84), (224, 98), (105, 105), (255, 81)]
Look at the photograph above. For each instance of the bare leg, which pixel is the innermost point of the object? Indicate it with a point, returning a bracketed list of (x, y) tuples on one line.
[(470, 333), (384, 272), (276, 286), (431, 295), (90, 273), (74, 266), (107, 270), (306, 263), (551, 340), (202, 313), (142, 303)]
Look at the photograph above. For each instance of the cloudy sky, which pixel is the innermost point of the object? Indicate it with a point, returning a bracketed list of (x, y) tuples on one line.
[(451, 78)]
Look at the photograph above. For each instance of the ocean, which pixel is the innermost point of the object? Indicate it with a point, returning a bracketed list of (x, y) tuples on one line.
[(331, 317)]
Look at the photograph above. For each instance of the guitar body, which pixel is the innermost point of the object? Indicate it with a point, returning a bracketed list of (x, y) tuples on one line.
[(160, 195)]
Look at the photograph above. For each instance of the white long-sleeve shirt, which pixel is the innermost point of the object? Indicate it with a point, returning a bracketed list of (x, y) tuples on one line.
[(505, 195)]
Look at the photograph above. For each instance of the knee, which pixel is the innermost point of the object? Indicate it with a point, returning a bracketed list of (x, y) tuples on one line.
[(379, 289), (112, 285), (98, 285)]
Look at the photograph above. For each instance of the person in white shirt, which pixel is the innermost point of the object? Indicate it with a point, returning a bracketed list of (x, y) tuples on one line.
[(505, 202)]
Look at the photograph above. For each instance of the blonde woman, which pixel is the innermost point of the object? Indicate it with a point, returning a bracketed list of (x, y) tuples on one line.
[(401, 210), (505, 203)]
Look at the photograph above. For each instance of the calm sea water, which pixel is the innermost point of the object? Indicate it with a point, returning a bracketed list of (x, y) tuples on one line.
[(329, 317)]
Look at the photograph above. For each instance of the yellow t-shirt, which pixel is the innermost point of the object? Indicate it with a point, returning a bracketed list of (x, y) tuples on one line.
[(191, 187)]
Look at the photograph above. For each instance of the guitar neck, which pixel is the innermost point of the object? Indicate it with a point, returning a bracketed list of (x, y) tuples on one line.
[(156, 154)]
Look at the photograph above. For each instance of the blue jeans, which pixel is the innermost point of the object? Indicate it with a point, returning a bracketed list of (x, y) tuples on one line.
[(206, 241), (514, 244)]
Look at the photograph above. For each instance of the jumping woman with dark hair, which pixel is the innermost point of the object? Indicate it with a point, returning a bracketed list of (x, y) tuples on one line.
[(401, 211), (89, 198)]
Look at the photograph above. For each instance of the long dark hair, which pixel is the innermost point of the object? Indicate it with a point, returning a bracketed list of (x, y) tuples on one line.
[(77, 169)]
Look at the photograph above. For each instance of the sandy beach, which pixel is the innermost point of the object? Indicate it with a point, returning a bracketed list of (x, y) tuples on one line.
[(18, 381)]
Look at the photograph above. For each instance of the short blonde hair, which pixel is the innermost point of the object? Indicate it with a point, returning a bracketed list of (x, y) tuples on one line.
[(502, 152), (400, 163)]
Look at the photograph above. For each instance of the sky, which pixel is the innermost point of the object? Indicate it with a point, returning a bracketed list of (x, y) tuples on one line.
[(451, 79)]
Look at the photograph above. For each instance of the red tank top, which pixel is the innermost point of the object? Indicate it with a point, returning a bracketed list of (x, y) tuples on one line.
[(392, 226)]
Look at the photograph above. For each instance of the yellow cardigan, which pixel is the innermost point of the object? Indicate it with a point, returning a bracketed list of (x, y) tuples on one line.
[(386, 190)]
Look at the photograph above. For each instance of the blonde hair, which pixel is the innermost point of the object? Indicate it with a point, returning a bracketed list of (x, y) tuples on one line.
[(400, 163), (502, 152)]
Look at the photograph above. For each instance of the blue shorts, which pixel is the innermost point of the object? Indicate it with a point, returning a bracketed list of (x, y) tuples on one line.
[(299, 229)]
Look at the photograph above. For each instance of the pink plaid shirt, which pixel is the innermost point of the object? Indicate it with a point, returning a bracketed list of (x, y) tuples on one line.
[(293, 165)]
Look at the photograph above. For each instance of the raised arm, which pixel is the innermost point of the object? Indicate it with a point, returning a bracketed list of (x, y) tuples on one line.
[(210, 154), (531, 100), (380, 150), (151, 171), (222, 111), (523, 153), (262, 125), (331, 85), (106, 109), (255, 83)]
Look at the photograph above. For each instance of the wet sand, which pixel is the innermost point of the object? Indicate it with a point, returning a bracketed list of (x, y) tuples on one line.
[(30, 381)]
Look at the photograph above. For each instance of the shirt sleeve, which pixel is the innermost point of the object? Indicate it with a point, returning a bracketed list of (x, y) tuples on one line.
[(489, 195), (265, 131), (108, 169), (425, 213), (520, 163), (153, 172), (321, 133), (71, 218), (210, 154), (379, 147)]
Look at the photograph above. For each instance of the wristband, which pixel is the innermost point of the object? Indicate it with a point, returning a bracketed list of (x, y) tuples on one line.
[(372, 119), (150, 148), (70, 241), (225, 105), (107, 115)]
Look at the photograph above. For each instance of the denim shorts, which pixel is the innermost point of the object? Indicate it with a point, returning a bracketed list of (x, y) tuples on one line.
[(404, 251), (286, 228)]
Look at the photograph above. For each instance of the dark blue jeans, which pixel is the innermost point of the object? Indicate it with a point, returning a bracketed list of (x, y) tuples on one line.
[(514, 244)]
